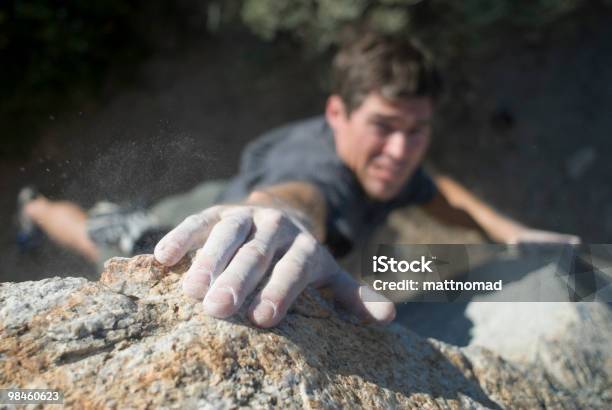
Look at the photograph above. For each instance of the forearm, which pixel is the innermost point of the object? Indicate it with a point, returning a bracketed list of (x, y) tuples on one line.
[(303, 200), (495, 225)]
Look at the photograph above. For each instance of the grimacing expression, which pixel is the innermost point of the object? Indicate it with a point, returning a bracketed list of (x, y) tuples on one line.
[(381, 141)]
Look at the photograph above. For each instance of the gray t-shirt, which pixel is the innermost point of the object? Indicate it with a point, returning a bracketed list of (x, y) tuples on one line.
[(305, 151)]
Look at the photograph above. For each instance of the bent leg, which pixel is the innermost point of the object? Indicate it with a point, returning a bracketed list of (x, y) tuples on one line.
[(65, 223)]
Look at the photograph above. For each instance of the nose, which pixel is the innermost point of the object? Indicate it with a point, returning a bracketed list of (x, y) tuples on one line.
[(396, 146)]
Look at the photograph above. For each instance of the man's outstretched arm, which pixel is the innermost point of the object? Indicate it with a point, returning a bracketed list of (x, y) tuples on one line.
[(277, 230), (301, 199), (456, 205)]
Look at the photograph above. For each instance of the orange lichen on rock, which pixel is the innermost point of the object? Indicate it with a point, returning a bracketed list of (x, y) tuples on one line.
[(132, 340)]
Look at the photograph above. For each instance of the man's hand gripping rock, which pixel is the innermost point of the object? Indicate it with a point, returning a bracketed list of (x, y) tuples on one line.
[(239, 245)]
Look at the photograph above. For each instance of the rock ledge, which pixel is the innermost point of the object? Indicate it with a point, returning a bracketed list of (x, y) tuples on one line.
[(132, 340)]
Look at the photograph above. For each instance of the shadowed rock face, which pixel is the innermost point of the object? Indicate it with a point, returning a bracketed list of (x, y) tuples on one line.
[(132, 340)]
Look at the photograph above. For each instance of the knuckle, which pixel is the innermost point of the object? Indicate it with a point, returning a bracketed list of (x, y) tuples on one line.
[(307, 244), (202, 262), (193, 220), (258, 249), (296, 263), (235, 222), (232, 223), (270, 220), (214, 209), (239, 211), (273, 217)]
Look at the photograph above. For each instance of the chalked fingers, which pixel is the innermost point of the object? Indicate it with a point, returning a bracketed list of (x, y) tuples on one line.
[(188, 235), (225, 238), (249, 264), (291, 274)]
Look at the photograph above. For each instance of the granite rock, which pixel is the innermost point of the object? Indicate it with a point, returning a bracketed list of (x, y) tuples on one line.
[(571, 342), (132, 340)]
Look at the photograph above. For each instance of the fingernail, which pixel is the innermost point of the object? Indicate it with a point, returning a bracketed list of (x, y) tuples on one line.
[(264, 312), (378, 306), (220, 301), (382, 312), (164, 253)]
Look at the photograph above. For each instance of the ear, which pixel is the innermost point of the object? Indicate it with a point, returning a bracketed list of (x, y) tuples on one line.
[(335, 111)]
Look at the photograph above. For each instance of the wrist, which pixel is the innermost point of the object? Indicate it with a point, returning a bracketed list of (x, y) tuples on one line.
[(297, 216)]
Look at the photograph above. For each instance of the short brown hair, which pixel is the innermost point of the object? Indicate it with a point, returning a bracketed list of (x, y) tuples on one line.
[(393, 66)]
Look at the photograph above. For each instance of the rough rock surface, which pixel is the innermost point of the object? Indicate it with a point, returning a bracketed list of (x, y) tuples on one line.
[(132, 340), (571, 341)]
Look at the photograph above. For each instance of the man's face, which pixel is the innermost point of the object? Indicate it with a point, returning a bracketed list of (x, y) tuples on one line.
[(381, 141)]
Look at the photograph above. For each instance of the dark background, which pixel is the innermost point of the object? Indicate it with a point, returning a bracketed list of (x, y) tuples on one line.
[(128, 102)]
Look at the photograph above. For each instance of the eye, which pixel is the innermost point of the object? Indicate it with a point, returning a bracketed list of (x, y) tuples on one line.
[(417, 131), (417, 135), (382, 128)]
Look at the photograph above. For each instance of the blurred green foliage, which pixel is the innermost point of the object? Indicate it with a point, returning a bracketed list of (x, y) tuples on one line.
[(317, 23), (51, 50)]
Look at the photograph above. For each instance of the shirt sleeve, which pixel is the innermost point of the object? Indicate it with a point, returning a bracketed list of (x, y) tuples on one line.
[(349, 211)]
